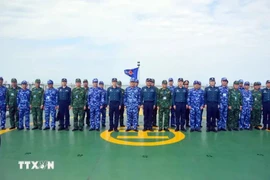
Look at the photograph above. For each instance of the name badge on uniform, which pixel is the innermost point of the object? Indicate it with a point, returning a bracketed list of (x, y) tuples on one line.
[(256, 99), (35, 96), (247, 99), (164, 98), (77, 96), (12, 94), (224, 94), (48, 98), (235, 98)]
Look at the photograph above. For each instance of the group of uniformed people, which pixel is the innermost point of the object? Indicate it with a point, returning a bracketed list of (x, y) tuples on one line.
[(242, 106)]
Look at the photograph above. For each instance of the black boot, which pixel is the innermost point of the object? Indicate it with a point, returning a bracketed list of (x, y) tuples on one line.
[(34, 128)]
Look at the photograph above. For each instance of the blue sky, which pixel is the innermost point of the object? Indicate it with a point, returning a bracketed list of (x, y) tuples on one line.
[(194, 39)]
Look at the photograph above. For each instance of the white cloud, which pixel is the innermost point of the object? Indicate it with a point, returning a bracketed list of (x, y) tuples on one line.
[(194, 39)]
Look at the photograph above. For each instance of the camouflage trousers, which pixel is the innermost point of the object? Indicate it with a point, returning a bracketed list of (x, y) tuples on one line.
[(163, 113), (256, 117), (3, 116), (78, 117), (14, 116), (37, 117), (233, 120)]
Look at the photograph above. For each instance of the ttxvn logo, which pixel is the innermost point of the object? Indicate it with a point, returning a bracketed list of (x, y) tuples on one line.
[(36, 165)]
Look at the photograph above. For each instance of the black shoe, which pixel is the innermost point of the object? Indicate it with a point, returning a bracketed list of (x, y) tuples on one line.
[(183, 129), (13, 127), (214, 130), (235, 129), (75, 129), (177, 129), (127, 130), (192, 130), (257, 128), (34, 128), (3, 128), (144, 129), (103, 125), (27, 129), (269, 128), (116, 130), (53, 128), (97, 130), (91, 129), (61, 128), (122, 125), (241, 129), (46, 128), (110, 130), (229, 129), (136, 130), (159, 129), (165, 129), (81, 129)]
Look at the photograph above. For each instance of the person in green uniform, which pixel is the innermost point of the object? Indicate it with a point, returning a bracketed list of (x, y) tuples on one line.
[(235, 106), (12, 104), (257, 106), (37, 105), (78, 100), (164, 102)]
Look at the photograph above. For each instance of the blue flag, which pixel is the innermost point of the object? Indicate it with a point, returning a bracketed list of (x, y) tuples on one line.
[(132, 72)]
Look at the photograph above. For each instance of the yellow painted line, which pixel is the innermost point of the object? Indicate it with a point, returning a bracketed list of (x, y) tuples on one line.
[(137, 137)]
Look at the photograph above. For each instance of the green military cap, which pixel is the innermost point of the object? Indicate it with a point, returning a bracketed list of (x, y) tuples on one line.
[(236, 82), (37, 81), (13, 80), (78, 80), (119, 83), (164, 82), (85, 81)]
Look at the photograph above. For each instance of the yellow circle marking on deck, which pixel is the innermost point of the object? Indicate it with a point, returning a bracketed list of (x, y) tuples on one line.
[(125, 139)]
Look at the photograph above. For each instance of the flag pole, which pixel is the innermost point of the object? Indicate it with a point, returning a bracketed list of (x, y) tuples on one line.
[(138, 65)]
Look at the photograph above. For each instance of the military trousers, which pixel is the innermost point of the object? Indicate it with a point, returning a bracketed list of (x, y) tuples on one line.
[(163, 114), (148, 114), (195, 117), (172, 117), (114, 114), (223, 114), (103, 115), (187, 116), (14, 116), (121, 115), (37, 117), (3, 115), (233, 120), (212, 114), (180, 113), (24, 118), (64, 115), (78, 117), (154, 117), (87, 117), (256, 116), (266, 113)]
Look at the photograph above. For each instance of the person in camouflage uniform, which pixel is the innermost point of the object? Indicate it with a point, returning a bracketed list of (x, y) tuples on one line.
[(12, 104), (23, 102), (235, 106), (37, 105), (154, 119), (164, 103), (78, 99), (87, 110), (257, 107)]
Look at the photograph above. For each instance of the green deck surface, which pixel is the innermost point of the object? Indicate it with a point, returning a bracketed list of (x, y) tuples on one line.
[(241, 155)]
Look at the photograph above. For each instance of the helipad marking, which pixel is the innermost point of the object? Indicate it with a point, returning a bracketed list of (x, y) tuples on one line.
[(125, 139)]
